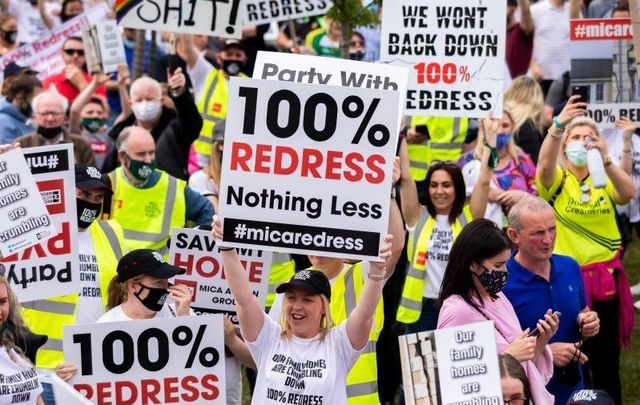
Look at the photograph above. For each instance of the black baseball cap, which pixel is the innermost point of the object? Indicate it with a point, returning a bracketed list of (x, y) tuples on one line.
[(13, 69), (590, 397), (312, 281), (90, 178), (145, 262)]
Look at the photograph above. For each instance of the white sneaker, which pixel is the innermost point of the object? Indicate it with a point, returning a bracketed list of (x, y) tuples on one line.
[(635, 289), (637, 305)]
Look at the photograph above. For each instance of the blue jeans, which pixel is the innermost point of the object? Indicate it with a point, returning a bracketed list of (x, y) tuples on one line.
[(428, 317)]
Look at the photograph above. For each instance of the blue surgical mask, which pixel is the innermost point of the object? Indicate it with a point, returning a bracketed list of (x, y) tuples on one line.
[(502, 140), (577, 153)]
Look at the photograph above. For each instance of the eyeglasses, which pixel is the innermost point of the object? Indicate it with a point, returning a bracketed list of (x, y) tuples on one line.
[(514, 401), (585, 193), (71, 51), (54, 114)]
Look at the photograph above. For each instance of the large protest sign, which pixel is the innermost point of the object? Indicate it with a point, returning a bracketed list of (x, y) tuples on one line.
[(153, 361), (266, 11), (456, 51), (206, 17), (197, 253), (104, 47), (304, 166), (49, 269), (24, 220), (43, 55), (603, 68), (294, 68)]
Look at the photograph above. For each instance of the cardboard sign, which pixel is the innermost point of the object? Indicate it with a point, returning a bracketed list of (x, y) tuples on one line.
[(104, 46), (607, 114), (24, 220), (197, 253), (468, 364), (50, 268), (43, 55), (152, 361), (288, 67), (456, 51), (265, 11), (304, 166), (206, 17)]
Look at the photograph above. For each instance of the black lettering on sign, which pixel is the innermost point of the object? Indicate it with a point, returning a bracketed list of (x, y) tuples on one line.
[(461, 17), (413, 14), (47, 162), (182, 12)]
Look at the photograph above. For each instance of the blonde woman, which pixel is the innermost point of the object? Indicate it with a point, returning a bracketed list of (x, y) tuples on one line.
[(207, 181), (524, 96)]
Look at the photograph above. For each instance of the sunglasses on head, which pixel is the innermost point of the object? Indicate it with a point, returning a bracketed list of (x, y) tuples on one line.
[(437, 164), (585, 193), (70, 52)]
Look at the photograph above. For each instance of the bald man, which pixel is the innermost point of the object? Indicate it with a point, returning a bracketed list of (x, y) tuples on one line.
[(172, 130), (147, 201)]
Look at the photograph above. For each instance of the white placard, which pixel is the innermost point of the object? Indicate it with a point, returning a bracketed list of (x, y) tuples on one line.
[(197, 253), (305, 168), (104, 46), (152, 361), (50, 269), (205, 17), (606, 115), (265, 11), (24, 220), (289, 67), (468, 364), (63, 392), (44, 55), (456, 51)]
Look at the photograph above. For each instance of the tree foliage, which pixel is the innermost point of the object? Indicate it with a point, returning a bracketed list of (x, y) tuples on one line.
[(351, 14)]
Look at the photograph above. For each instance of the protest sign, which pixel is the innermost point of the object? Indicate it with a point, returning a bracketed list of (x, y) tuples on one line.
[(43, 55), (104, 47), (468, 364), (63, 392), (206, 17), (151, 361), (197, 253), (288, 67), (24, 220), (419, 368), (266, 11), (297, 156), (456, 51), (49, 269), (603, 68)]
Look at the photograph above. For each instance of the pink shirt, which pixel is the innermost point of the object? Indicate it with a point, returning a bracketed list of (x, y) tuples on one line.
[(455, 311)]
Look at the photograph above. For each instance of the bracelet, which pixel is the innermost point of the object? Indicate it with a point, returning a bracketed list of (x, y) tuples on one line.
[(607, 161), (555, 133), (557, 123), (376, 277), (225, 249), (494, 158)]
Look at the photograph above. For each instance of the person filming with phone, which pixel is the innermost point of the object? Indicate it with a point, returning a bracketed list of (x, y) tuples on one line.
[(583, 190), (540, 279)]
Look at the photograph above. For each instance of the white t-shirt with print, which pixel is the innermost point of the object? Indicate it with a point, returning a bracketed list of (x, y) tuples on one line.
[(90, 306), (19, 382), (301, 371), (438, 249), (31, 27)]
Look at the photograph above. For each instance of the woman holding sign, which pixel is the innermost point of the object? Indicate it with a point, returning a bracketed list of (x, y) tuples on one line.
[(434, 227), (305, 360), (472, 292)]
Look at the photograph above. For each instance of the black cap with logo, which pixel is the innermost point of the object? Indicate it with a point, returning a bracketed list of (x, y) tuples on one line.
[(145, 262), (90, 178), (312, 281)]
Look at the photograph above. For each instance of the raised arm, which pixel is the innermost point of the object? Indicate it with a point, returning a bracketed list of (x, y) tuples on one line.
[(628, 128), (574, 9), (410, 204), (46, 18), (187, 50), (249, 311), (360, 319), (396, 226), (526, 21), (83, 98), (623, 187), (480, 194)]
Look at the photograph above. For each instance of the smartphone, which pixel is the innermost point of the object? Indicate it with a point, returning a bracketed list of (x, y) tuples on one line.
[(423, 130), (173, 61), (536, 332), (583, 92)]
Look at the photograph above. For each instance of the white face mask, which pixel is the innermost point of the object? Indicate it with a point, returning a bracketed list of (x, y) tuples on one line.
[(147, 110)]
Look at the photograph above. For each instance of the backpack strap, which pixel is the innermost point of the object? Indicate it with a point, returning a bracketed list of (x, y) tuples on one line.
[(559, 189)]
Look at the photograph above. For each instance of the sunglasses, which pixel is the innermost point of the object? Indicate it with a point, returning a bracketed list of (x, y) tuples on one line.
[(585, 193), (356, 43), (70, 51)]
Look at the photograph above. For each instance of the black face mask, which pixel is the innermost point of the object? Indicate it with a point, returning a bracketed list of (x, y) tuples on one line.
[(87, 212), (49, 133), (357, 55), (155, 300), (26, 110), (65, 18), (493, 281), (10, 36), (232, 67)]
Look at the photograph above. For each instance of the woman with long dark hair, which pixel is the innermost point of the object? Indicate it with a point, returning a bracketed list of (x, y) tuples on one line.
[(472, 292)]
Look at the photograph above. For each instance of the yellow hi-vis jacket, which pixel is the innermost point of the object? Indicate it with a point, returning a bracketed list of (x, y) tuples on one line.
[(212, 106), (447, 136), (282, 269), (48, 317), (411, 301), (362, 380), (147, 215)]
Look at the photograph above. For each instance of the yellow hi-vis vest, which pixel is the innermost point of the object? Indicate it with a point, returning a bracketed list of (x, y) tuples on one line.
[(362, 380), (212, 106), (447, 136), (147, 215), (282, 269), (48, 317), (411, 301)]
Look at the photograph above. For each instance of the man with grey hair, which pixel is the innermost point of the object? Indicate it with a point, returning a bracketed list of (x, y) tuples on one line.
[(538, 280), (173, 131), (49, 109), (147, 201)]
